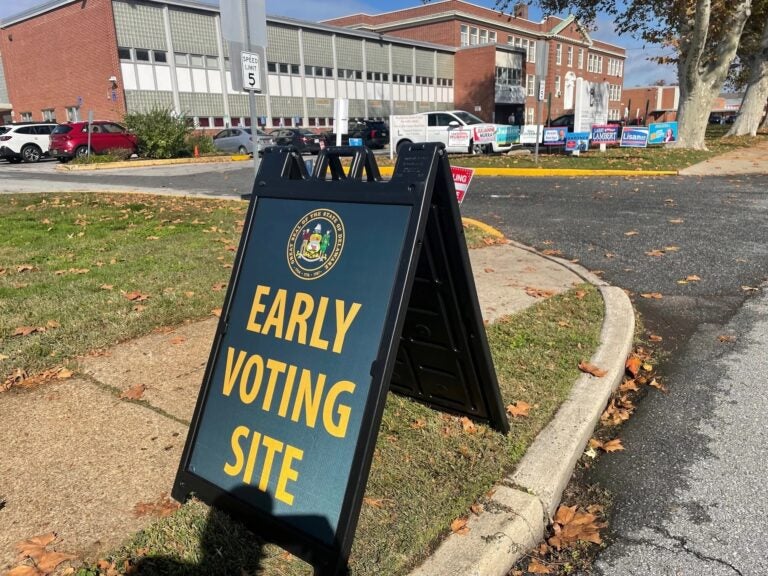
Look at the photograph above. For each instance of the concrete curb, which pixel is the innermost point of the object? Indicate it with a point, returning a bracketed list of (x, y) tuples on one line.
[(145, 163), (552, 172), (525, 501)]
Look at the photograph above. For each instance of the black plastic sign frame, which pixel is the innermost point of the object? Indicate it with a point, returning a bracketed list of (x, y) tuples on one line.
[(327, 277)]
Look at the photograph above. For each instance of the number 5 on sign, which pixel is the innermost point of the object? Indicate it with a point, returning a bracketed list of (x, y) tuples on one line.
[(251, 71)]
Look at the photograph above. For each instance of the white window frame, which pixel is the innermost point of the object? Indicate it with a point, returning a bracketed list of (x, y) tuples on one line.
[(483, 36), (464, 31), (570, 57), (529, 112), (530, 85), (558, 53), (531, 55), (491, 37), (557, 87), (581, 59), (474, 36)]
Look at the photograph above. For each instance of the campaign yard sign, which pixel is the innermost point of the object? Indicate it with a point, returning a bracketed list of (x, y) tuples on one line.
[(634, 137), (506, 135), (662, 132), (577, 141), (461, 179), (554, 136), (605, 134), (530, 133)]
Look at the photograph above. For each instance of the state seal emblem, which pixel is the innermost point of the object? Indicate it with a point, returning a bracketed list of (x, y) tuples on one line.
[(315, 244)]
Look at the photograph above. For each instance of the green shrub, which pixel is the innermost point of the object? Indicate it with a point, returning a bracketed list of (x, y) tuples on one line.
[(111, 155), (203, 142), (161, 133)]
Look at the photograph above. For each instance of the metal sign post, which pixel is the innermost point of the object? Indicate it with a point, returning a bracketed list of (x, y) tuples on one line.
[(539, 100), (244, 27)]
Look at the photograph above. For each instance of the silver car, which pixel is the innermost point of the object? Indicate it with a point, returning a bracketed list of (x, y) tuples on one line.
[(240, 140)]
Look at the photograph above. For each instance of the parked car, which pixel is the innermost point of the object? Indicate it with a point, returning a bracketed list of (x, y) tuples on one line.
[(71, 139), (459, 130), (240, 140), (374, 133), (27, 141), (305, 140), (566, 120)]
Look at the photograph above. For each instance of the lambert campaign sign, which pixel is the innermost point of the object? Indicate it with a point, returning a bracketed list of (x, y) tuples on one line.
[(662, 132), (605, 134), (636, 137)]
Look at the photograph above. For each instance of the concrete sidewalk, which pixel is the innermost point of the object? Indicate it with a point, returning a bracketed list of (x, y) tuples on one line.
[(77, 460), (750, 160)]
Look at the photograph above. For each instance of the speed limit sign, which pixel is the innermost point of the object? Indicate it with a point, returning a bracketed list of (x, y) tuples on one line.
[(251, 71)]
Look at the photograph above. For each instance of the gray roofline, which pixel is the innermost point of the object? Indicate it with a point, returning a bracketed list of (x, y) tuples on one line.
[(194, 4)]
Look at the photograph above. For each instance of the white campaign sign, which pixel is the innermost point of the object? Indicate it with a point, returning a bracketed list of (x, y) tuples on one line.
[(251, 71)]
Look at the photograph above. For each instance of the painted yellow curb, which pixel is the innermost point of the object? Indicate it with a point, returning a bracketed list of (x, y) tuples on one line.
[(142, 163), (543, 172), (483, 226)]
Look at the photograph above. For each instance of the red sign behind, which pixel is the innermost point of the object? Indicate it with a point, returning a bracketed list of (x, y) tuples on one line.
[(461, 179)]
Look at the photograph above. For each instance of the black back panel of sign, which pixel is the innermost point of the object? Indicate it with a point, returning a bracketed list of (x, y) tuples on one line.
[(443, 358)]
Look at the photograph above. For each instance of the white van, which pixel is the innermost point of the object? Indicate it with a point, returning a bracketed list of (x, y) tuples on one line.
[(460, 131)]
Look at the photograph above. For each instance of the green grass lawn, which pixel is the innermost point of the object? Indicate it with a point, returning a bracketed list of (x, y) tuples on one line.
[(614, 158), (86, 271)]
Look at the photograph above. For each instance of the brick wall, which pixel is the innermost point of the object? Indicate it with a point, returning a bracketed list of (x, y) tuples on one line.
[(446, 33), (61, 55), (475, 81)]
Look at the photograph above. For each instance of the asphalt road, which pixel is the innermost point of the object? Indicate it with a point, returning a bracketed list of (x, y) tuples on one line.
[(689, 489)]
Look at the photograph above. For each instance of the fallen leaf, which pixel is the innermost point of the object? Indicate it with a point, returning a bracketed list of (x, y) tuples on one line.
[(27, 330), (692, 278), (133, 393), (551, 252), (671, 248), (136, 296), (51, 559), (25, 571), (467, 425), (536, 567), (629, 386), (64, 373), (418, 424), (476, 509), (162, 507), (726, 338), (631, 233), (374, 502), (25, 268), (580, 294), (750, 289), (592, 369), (633, 364), (658, 385), (219, 286), (33, 546), (459, 526), (178, 340), (655, 253), (652, 295), (539, 292), (676, 221), (216, 312), (518, 409), (106, 286), (489, 270), (612, 445), (655, 338)]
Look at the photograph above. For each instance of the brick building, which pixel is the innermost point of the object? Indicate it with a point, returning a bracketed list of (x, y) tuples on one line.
[(652, 103), (68, 57), (569, 50)]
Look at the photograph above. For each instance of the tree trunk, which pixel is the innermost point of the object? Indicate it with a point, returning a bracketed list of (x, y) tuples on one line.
[(753, 104), (764, 125), (702, 73)]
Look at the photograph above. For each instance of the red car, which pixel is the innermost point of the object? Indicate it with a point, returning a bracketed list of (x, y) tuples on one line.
[(71, 139)]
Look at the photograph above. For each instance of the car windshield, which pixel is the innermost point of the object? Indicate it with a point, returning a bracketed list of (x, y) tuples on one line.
[(4, 129), (306, 133), (62, 129), (468, 118)]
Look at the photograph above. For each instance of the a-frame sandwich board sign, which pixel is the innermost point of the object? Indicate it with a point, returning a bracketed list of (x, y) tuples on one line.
[(324, 283)]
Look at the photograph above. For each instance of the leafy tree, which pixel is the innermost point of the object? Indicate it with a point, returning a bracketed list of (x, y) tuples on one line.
[(752, 71), (704, 33), (161, 133)]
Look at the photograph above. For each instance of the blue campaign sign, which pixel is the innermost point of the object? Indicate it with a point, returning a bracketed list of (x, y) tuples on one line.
[(355, 141), (662, 132), (634, 137), (554, 136), (577, 141), (605, 134), (506, 135)]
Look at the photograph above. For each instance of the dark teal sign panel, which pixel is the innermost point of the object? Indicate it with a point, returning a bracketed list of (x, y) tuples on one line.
[(288, 388)]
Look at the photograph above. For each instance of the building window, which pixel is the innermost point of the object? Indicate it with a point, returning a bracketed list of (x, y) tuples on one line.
[(295, 69), (531, 55), (557, 86), (511, 40), (196, 60), (599, 64), (492, 37), (530, 84), (283, 68), (160, 57), (272, 67), (474, 35), (483, 36), (581, 58), (49, 115), (181, 59), (142, 55), (124, 53), (464, 35), (529, 113), (558, 54), (73, 114), (570, 57), (26, 116), (212, 62)]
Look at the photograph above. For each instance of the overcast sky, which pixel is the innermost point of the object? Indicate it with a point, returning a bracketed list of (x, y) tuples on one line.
[(637, 70)]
